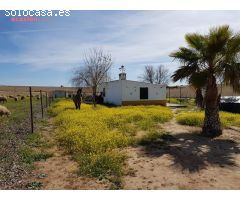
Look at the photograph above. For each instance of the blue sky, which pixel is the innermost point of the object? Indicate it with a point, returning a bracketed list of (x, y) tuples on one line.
[(45, 53)]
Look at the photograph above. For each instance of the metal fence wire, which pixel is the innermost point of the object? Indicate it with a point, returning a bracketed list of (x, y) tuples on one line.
[(27, 106)]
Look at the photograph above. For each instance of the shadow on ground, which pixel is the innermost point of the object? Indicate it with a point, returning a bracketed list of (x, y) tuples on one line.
[(193, 152)]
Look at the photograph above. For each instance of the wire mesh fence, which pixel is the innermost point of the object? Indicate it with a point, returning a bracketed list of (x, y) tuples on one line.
[(26, 107)]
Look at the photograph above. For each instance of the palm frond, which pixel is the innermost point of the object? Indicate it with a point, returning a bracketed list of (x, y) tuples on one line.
[(196, 41), (184, 72), (232, 76), (216, 54), (232, 48), (217, 39), (185, 55), (198, 79)]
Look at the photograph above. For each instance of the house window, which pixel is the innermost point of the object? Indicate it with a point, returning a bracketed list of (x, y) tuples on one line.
[(144, 93)]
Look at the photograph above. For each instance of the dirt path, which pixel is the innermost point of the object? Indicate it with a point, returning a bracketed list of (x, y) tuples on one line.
[(187, 161), (60, 171)]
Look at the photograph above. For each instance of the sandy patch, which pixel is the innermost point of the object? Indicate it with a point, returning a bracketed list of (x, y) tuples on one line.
[(188, 161)]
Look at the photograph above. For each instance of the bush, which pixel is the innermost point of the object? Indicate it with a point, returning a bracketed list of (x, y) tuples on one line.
[(28, 155), (150, 138), (155, 137), (173, 100), (230, 119), (197, 118), (101, 164), (95, 136), (190, 118)]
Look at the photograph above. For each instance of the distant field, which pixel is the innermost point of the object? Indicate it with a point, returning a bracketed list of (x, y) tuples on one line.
[(24, 90)]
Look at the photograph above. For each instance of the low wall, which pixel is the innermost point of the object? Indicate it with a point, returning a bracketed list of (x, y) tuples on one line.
[(144, 102)]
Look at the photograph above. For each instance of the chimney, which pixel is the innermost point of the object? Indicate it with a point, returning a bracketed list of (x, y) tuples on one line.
[(122, 75)]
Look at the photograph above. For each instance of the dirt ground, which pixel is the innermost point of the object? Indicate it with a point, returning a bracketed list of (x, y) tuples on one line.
[(60, 171), (186, 161)]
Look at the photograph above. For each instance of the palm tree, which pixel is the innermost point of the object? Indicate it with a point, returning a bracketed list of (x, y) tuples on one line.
[(216, 53)]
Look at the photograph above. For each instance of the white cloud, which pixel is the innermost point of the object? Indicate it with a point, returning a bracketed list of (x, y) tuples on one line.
[(133, 38)]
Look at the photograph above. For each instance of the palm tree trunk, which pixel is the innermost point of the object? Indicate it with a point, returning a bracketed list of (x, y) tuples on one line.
[(199, 98), (212, 124)]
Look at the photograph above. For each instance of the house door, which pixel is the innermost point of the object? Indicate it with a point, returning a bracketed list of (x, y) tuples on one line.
[(143, 93)]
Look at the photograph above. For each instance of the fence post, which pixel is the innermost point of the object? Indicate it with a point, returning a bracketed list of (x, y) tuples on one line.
[(31, 110), (46, 100), (41, 102)]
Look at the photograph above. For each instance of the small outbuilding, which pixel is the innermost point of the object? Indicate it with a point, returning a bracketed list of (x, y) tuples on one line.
[(126, 92), (59, 94)]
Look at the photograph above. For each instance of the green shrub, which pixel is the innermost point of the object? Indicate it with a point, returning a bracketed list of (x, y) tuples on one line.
[(101, 165), (146, 125), (28, 155), (197, 118), (173, 100), (153, 137), (190, 118)]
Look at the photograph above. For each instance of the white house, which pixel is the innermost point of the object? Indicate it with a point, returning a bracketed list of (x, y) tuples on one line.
[(126, 92)]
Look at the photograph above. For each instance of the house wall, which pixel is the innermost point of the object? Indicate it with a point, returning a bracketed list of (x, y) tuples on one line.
[(131, 91), (113, 92), (144, 102), (125, 92), (59, 94)]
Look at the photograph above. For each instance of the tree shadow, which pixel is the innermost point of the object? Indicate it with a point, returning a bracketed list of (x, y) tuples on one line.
[(193, 152)]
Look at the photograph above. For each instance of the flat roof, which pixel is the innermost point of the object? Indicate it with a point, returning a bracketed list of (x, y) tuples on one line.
[(137, 82)]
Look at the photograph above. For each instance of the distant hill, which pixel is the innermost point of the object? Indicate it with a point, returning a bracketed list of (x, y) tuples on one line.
[(24, 90)]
